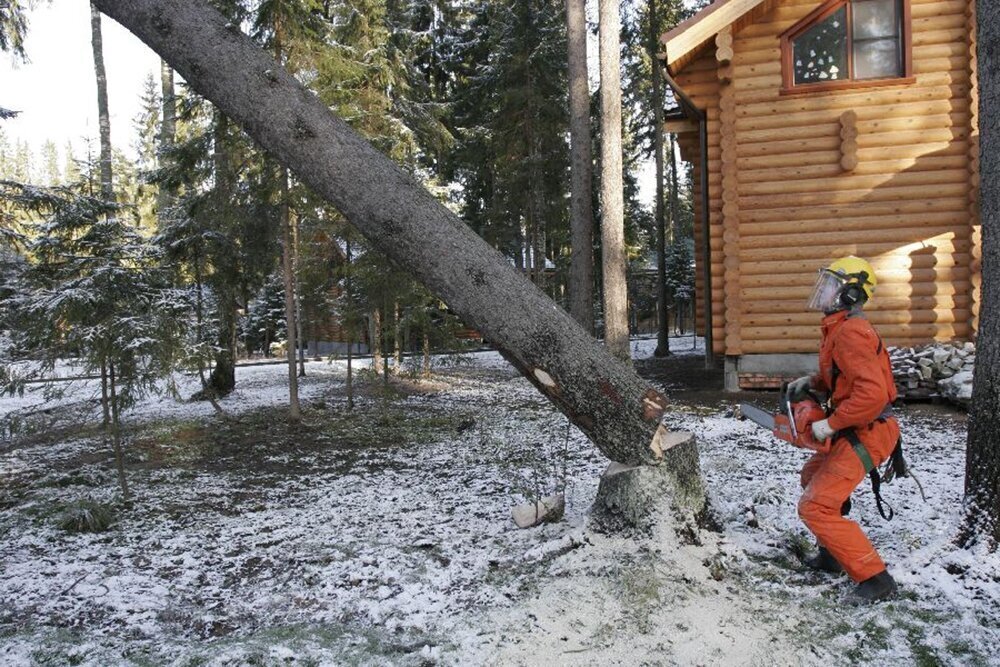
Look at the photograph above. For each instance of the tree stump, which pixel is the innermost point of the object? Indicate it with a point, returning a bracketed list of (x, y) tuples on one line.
[(635, 499)]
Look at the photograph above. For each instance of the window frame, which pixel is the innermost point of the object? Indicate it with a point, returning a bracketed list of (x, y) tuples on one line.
[(821, 13)]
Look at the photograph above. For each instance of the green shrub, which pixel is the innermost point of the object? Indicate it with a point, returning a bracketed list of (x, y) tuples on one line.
[(87, 516)]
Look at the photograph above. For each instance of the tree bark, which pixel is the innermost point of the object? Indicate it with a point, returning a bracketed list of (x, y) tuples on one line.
[(613, 259), (104, 117), (581, 269), (168, 133), (223, 377), (601, 395), (350, 327), (662, 330), (298, 299), (288, 274), (116, 433), (375, 335), (982, 468)]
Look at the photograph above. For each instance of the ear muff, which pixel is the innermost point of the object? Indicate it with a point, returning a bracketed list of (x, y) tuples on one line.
[(852, 294)]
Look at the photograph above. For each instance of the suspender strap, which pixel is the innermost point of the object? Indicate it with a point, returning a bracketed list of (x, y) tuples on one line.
[(871, 471), (859, 449)]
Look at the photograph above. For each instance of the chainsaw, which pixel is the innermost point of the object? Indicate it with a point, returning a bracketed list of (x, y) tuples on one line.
[(793, 421)]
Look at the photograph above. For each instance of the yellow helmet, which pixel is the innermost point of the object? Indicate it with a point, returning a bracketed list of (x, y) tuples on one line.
[(845, 283)]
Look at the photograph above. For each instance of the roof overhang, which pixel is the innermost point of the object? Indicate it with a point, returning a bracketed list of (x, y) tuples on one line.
[(684, 41)]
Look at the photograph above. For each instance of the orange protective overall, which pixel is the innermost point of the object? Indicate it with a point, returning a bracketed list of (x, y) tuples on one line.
[(861, 391)]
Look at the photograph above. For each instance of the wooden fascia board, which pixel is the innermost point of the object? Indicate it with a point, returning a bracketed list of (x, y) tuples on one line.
[(680, 126), (701, 27)]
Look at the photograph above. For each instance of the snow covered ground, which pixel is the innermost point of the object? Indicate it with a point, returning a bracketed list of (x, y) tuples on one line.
[(384, 537)]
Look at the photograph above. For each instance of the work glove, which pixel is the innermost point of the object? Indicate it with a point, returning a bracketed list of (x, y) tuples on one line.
[(821, 430), (797, 389)]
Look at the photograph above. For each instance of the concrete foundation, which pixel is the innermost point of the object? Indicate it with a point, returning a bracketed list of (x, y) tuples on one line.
[(767, 371)]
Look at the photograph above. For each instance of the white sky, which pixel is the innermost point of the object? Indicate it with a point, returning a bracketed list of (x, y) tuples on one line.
[(56, 92)]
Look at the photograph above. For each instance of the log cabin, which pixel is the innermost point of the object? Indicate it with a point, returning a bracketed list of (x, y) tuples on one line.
[(824, 128)]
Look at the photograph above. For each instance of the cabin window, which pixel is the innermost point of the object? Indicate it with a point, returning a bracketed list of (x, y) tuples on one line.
[(848, 42)]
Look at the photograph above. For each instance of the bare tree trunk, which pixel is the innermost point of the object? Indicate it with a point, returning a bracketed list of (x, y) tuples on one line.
[(613, 259), (116, 433), (376, 339), (982, 466), (427, 354), (298, 298), (662, 330), (223, 376), (105, 405), (581, 269), (168, 133), (350, 329), (601, 395), (104, 117), (397, 343), (207, 390), (288, 274)]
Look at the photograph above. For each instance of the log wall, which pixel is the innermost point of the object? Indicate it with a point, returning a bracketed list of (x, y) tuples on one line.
[(886, 173)]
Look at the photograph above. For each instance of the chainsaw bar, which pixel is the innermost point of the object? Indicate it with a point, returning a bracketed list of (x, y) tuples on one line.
[(757, 416)]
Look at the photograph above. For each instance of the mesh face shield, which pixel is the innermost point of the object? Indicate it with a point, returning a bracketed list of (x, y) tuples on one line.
[(826, 293)]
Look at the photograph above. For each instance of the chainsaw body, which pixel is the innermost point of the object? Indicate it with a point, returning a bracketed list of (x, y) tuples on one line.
[(794, 424)]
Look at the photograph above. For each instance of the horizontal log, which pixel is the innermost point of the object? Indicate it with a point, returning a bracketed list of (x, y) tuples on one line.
[(814, 245), (944, 112), (801, 294), (848, 183), (956, 163), (797, 266), (881, 302), (890, 139), (949, 148), (928, 88), (885, 277), (881, 194), (878, 318), (905, 206)]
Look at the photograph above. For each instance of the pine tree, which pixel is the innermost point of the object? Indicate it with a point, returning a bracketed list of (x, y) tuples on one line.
[(97, 278), (512, 106), (13, 28)]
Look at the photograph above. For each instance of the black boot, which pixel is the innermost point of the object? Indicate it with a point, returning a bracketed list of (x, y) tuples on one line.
[(880, 587), (824, 561)]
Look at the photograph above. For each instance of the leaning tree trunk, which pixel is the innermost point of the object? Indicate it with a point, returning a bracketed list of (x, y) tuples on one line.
[(581, 268), (601, 395), (612, 206), (104, 117), (982, 467)]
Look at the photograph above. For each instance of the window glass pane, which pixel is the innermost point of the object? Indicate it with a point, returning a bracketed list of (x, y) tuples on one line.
[(820, 53), (875, 18), (876, 59)]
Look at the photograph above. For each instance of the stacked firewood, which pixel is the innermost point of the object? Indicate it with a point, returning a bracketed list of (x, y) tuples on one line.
[(934, 370)]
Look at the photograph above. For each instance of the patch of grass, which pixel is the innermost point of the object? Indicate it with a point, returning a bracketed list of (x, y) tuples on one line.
[(87, 516)]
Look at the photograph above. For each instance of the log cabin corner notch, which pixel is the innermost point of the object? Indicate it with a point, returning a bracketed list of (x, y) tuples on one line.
[(790, 182), (864, 43)]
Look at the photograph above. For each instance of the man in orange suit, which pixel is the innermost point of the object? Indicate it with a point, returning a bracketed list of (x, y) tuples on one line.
[(854, 370)]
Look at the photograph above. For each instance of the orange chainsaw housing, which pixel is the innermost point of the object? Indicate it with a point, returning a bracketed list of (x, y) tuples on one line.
[(805, 413)]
